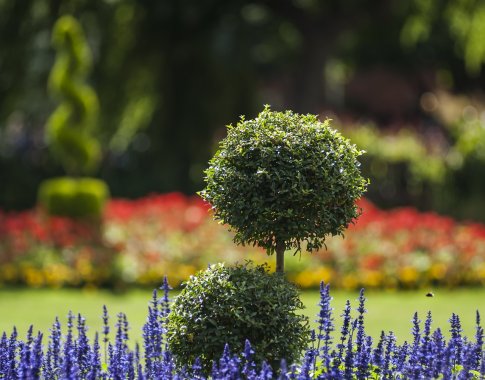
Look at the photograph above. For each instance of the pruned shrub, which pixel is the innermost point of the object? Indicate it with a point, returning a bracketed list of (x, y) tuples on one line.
[(74, 197), (231, 304), (283, 179), (70, 130)]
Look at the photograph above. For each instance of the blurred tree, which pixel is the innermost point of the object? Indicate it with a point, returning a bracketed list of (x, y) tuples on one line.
[(464, 20), (170, 74)]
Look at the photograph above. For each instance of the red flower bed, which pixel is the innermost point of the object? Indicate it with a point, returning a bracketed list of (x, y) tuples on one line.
[(141, 240)]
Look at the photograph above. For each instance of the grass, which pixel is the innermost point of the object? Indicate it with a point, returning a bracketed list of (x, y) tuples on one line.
[(386, 310), (393, 311)]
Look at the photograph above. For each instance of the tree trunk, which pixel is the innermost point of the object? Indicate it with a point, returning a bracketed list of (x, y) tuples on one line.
[(280, 256)]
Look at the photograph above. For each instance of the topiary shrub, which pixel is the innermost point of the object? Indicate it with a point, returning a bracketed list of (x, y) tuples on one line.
[(70, 129), (231, 304), (73, 197), (282, 179)]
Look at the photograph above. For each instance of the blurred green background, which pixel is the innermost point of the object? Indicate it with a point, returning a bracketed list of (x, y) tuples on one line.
[(404, 80)]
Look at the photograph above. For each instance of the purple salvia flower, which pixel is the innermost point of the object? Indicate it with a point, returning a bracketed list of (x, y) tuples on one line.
[(165, 301), (69, 356), (438, 350), (74, 373), (13, 346), (349, 354), (94, 369), (105, 331), (234, 370), (307, 366), (414, 366), (365, 358), (53, 359), (266, 372), (482, 366), (360, 338), (125, 328), (140, 375), (312, 350), (401, 357), (165, 368), (249, 367), (37, 356), (3, 355), (214, 370), (456, 342), (325, 323), (425, 354), (293, 374), (448, 363), (344, 332), (120, 343), (390, 348), (182, 374), (82, 346), (283, 370), (416, 331), (378, 354), (197, 370), (152, 337), (479, 336), (28, 344), (137, 356), (25, 365), (129, 368), (468, 362), (224, 360)]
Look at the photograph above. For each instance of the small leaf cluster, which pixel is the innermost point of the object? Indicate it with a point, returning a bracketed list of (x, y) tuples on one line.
[(229, 305), (284, 177)]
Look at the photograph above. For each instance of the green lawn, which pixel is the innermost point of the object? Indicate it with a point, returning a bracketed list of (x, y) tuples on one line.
[(386, 310), (394, 310)]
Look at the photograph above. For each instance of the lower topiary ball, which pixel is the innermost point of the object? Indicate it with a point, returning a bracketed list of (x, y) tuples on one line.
[(231, 304)]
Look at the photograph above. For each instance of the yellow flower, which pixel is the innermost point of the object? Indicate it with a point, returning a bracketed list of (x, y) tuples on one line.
[(33, 277), (8, 273), (372, 278), (349, 282), (408, 274), (312, 278), (56, 275), (437, 271), (480, 271)]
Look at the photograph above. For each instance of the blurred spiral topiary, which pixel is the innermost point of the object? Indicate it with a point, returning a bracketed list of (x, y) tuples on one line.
[(70, 129), (71, 126), (282, 179), (231, 304)]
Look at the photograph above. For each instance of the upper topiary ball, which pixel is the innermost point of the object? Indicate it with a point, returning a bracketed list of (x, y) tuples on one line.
[(282, 179)]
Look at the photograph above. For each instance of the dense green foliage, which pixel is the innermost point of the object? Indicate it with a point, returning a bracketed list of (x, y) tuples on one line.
[(74, 197), (231, 304), (284, 178)]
